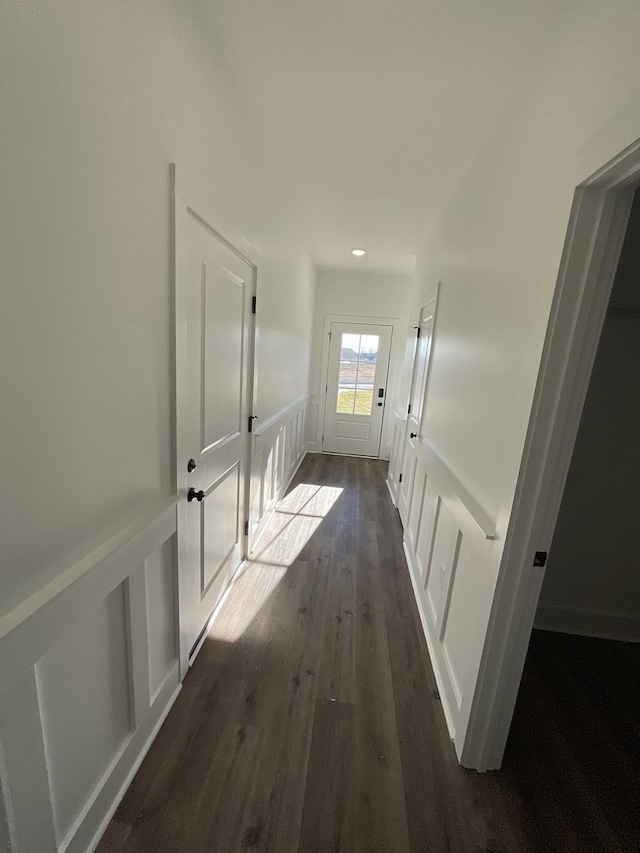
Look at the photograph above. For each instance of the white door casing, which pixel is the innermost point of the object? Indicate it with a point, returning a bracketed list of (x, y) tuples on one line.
[(417, 398), (215, 286), (356, 388)]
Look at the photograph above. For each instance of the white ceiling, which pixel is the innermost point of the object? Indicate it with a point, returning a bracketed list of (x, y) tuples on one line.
[(372, 110)]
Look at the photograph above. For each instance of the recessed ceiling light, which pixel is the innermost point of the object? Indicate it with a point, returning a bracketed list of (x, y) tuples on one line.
[(357, 252)]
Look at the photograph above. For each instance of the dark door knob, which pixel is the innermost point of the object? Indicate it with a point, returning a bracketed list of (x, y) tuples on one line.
[(413, 434), (193, 495), (191, 465)]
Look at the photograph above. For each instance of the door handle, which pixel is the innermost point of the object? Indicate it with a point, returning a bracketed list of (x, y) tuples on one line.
[(193, 495), (413, 434)]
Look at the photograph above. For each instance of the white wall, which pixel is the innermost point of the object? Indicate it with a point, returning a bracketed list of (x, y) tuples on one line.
[(361, 294), (496, 251), (592, 580), (497, 246), (97, 99)]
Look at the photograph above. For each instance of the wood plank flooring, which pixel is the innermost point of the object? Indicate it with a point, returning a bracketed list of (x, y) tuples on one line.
[(310, 721)]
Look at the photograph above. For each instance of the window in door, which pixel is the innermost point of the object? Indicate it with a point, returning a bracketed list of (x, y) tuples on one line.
[(358, 360)]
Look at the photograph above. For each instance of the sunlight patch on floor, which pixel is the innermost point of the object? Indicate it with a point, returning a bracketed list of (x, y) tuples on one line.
[(247, 598), (297, 518)]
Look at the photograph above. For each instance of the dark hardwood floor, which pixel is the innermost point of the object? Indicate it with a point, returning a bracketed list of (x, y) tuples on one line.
[(310, 720)]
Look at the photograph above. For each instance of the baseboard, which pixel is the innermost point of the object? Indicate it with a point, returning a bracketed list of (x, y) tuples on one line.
[(86, 835), (587, 623), (393, 497)]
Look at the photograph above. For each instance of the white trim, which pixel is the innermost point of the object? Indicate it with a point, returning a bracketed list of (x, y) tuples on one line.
[(432, 645), (191, 187), (395, 324), (480, 518), (148, 734), (595, 232), (80, 566), (204, 213), (587, 623), (264, 521), (217, 609), (264, 426)]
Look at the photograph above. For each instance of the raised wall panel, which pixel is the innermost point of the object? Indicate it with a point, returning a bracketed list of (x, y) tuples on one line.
[(313, 411), (407, 483), (277, 455), (423, 547), (417, 504), (462, 613), (443, 544), (160, 575), (287, 450), (83, 690), (268, 479), (280, 442), (26, 816)]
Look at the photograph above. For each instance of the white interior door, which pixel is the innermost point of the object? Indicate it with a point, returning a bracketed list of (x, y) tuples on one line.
[(214, 291), (415, 416), (358, 369)]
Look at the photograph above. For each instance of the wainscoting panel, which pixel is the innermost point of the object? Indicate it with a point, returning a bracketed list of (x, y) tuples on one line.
[(83, 693), (447, 543), (279, 446), (161, 607), (88, 678)]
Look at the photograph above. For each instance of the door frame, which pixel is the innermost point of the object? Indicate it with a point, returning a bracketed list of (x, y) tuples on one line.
[(179, 190), (596, 229), (430, 298), (395, 323), (384, 381)]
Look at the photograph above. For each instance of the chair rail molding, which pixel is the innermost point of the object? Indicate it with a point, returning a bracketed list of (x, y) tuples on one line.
[(106, 630)]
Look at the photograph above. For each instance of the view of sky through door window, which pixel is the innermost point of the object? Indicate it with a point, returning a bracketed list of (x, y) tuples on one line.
[(358, 360)]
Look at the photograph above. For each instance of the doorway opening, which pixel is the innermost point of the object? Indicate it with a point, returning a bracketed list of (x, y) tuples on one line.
[(595, 234), (580, 687)]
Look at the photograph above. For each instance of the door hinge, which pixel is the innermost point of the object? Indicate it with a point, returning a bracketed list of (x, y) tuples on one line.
[(400, 478), (540, 558), (418, 331), (246, 528), (254, 300), (330, 333), (409, 409), (250, 423)]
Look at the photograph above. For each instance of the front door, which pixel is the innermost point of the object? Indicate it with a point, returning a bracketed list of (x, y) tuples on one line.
[(356, 388), (214, 290)]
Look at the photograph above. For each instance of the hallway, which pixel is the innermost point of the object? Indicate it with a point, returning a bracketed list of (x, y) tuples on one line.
[(310, 720)]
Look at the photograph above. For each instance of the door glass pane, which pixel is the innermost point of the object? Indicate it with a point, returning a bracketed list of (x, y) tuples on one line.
[(358, 360)]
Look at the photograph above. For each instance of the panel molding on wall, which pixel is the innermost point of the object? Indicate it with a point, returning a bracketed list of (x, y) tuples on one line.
[(279, 446), (447, 541), (87, 680)]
